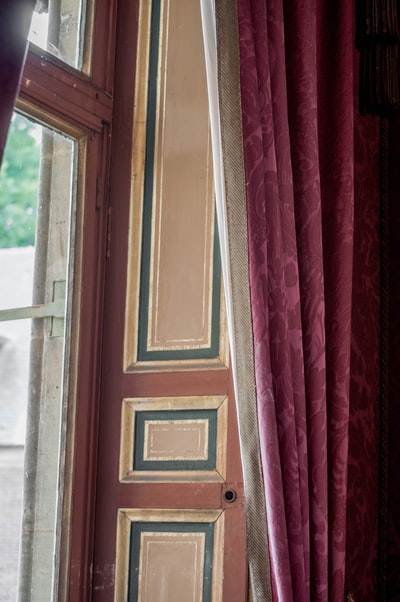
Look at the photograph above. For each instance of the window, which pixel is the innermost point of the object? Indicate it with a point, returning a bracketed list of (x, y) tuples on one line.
[(61, 27), (62, 123), (37, 239)]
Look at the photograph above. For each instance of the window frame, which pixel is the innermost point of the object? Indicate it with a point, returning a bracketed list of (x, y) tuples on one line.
[(80, 105)]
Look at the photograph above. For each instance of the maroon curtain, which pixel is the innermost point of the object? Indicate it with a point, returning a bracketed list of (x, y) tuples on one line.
[(297, 90), (364, 430), (15, 16)]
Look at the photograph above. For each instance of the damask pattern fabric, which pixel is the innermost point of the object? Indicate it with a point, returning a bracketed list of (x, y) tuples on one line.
[(298, 150), (298, 140), (391, 489), (363, 461)]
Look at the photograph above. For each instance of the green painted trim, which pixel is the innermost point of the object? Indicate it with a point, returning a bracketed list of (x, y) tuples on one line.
[(141, 417), (176, 354), (134, 552)]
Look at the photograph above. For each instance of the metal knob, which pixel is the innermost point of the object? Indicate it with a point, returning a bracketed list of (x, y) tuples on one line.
[(229, 496)]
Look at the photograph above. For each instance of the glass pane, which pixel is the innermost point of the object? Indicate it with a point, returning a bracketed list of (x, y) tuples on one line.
[(36, 203), (58, 26)]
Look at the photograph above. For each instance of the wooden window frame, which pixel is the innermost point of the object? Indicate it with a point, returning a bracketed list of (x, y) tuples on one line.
[(80, 105)]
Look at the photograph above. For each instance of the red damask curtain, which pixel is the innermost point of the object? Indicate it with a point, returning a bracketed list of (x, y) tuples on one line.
[(15, 16), (297, 178)]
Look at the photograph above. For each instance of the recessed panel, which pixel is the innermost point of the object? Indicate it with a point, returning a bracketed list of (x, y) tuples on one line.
[(171, 562), (177, 440), (173, 438), (176, 301), (174, 276), (169, 555)]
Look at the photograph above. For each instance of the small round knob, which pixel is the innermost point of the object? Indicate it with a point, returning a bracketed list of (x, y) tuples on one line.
[(229, 496)]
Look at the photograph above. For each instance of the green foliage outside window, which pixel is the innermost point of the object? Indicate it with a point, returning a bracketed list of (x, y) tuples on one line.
[(19, 184)]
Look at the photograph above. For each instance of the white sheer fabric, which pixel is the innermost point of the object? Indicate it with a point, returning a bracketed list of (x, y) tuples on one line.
[(210, 47)]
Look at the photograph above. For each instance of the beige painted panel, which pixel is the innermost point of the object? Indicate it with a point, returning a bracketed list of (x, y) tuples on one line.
[(183, 218), (183, 225), (180, 448), (173, 544), (175, 440), (171, 567)]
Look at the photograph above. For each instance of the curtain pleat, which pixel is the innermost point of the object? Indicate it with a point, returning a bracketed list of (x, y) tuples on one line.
[(336, 165), (363, 460), (274, 294), (297, 92)]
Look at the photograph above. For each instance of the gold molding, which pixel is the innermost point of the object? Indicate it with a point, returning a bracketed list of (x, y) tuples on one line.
[(130, 406), (127, 516), (137, 185), (131, 361)]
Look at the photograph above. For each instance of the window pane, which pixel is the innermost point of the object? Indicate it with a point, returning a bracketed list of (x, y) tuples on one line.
[(58, 27), (37, 182)]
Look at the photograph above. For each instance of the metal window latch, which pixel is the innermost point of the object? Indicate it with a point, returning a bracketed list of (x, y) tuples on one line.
[(55, 309)]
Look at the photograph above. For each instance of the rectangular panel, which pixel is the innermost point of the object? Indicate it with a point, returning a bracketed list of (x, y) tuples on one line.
[(184, 440), (177, 315), (175, 441), (170, 562), (168, 439), (174, 556)]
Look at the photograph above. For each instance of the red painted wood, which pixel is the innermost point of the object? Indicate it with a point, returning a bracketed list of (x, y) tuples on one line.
[(72, 98), (99, 107), (235, 587), (116, 384), (88, 393), (215, 382)]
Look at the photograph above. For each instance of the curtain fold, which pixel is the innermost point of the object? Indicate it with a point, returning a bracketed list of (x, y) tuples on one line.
[(15, 17), (274, 290), (365, 384), (283, 90)]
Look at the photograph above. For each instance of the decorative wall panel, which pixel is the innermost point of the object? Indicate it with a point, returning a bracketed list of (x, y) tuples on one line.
[(173, 255), (169, 439), (170, 562), (169, 555), (169, 517), (175, 440)]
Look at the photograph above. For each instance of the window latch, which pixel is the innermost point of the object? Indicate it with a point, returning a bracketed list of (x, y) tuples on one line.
[(54, 309)]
